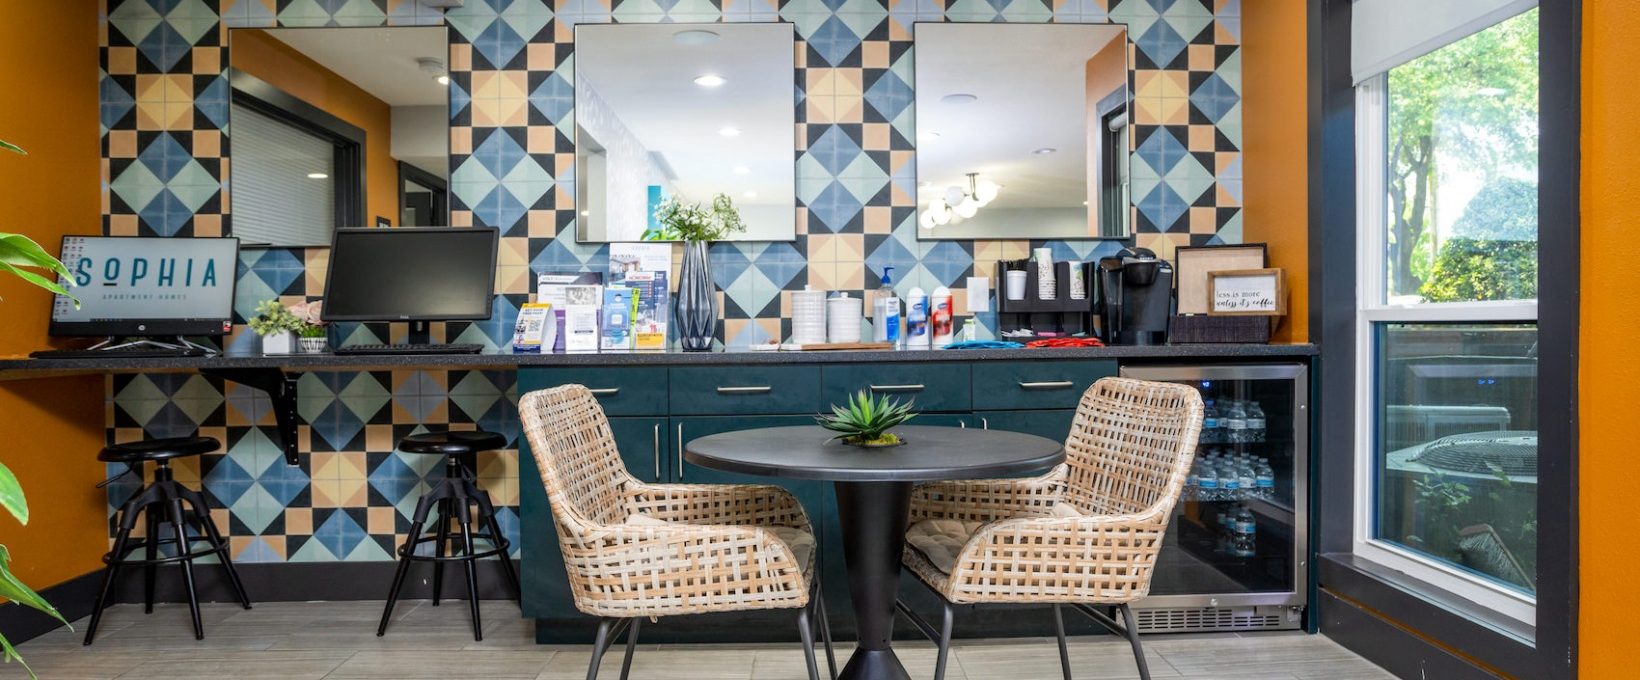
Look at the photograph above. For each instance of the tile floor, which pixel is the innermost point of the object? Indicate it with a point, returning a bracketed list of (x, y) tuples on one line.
[(338, 640)]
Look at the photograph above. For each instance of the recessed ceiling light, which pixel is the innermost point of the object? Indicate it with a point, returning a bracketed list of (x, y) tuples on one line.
[(709, 80), (928, 136), (317, 175), (1044, 151), (742, 170), (925, 184), (750, 194), (584, 213), (442, 80), (729, 131), (958, 98), (694, 38)]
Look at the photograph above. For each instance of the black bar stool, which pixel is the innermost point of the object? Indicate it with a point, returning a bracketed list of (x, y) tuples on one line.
[(452, 498), (160, 503)]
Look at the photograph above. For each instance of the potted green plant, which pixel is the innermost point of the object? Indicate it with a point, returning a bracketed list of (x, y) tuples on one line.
[(865, 421), (277, 325), (697, 226), (19, 254), (311, 337)]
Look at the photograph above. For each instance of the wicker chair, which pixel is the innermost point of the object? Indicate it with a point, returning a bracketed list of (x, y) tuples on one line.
[(635, 550), (1085, 534)]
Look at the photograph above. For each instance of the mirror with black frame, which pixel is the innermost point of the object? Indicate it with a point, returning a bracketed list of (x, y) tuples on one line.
[(685, 112), (337, 127), (1022, 131)]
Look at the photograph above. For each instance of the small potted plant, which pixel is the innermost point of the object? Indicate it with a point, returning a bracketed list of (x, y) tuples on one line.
[(277, 325), (865, 421), (312, 337)]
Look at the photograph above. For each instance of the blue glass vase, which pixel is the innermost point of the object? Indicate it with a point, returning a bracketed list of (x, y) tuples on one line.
[(695, 313)]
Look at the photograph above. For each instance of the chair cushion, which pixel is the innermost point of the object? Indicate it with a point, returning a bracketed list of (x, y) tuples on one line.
[(940, 540), (799, 541)]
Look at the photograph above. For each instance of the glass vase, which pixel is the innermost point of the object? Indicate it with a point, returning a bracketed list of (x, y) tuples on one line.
[(695, 314)]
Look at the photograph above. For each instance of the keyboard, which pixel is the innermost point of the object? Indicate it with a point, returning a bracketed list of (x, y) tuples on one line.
[(120, 353), (459, 348)]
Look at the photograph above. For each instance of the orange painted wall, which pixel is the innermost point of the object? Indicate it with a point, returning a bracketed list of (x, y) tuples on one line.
[(278, 65), (1607, 372), (1275, 148), (51, 428), (1103, 73)]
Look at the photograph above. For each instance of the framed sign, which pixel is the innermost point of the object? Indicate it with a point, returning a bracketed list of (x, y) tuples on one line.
[(1247, 292), (1193, 263)]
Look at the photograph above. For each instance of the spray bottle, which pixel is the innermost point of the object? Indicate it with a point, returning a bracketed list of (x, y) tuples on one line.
[(916, 320)]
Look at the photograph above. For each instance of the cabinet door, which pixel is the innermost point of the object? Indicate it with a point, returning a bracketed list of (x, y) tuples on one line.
[(1004, 385), (1053, 424), (932, 386), (744, 390), (945, 420), (643, 443)]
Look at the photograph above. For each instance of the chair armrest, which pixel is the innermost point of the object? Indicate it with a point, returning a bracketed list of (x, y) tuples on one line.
[(988, 500), (628, 570), (718, 504), (1103, 558)]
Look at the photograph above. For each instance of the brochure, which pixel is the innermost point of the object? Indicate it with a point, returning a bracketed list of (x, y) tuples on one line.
[(550, 288), (582, 304), (627, 258), (649, 322), (535, 329), (617, 318)]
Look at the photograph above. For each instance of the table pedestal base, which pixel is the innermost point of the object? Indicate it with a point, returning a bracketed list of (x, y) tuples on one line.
[(873, 517)]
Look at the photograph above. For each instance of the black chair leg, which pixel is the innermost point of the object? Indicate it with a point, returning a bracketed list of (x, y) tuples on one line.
[(1133, 637), (150, 552), (599, 643), (1064, 651), (944, 651), (122, 538), (418, 521), (179, 525), (464, 517), (486, 511), (807, 632), (439, 549), (202, 515), (825, 629), (631, 647)]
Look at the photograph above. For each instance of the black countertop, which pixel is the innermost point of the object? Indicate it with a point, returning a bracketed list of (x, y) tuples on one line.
[(13, 368)]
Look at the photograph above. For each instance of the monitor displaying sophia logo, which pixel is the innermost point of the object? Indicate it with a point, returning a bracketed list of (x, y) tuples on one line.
[(147, 286)]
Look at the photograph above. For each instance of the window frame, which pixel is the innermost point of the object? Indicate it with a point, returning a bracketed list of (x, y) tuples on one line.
[(1373, 311)]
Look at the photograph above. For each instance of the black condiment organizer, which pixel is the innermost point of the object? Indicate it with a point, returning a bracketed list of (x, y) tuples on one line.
[(1059, 315)]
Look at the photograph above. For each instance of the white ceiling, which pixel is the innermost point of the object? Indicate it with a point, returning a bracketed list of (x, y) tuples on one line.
[(1030, 83), (647, 79), (381, 61)]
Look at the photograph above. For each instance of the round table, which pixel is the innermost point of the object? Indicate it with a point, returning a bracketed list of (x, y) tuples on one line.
[(874, 500)]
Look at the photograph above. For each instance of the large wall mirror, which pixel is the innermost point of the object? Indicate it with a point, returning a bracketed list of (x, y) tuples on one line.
[(1022, 131), (684, 111), (337, 127)]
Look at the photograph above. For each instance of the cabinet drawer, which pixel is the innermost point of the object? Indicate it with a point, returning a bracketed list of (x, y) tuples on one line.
[(1006, 385), (745, 390), (622, 391), (934, 386)]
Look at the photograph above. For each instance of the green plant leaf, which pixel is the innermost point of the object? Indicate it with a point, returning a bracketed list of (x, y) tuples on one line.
[(11, 495), (14, 149), (9, 654), (14, 590), (20, 250), (37, 280)]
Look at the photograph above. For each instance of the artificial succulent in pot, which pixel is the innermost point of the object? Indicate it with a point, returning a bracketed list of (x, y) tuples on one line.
[(865, 420)]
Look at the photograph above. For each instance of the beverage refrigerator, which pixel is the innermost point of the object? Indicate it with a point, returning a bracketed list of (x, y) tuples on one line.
[(1237, 552)]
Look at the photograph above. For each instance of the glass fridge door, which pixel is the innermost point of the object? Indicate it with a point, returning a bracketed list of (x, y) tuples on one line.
[(1240, 526)]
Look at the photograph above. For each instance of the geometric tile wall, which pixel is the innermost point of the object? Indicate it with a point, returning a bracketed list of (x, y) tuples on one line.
[(167, 172)]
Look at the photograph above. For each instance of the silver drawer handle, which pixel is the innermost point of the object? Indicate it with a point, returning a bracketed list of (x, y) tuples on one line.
[(760, 389), (605, 391), (1047, 385), (897, 388), (657, 442)]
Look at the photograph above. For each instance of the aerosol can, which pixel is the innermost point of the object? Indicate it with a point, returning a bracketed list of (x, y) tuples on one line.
[(916, 320), (939, 317)]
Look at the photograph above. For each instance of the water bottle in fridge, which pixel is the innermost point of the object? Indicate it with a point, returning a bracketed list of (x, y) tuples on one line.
[(1246, 479), (1245, 542), (1266, 479), (1255, 422), (1193, 482), (1229, 482), (1210, 424), (1207, 485), (1234, 423)]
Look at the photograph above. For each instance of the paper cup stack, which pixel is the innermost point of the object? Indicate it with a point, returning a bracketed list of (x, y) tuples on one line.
[(808, 317), (843, 318)]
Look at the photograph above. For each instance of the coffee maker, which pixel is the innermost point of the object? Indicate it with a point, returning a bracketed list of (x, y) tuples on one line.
[(1135, 297)]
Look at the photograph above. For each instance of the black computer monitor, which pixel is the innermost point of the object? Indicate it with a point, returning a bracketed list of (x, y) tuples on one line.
[(147, 287), (412, 274)]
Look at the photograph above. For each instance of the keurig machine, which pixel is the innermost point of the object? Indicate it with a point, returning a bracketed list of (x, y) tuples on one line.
[(1135, 297)]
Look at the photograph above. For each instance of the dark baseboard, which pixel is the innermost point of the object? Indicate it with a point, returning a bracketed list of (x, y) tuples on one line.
[(264, 582), (1391, 647)]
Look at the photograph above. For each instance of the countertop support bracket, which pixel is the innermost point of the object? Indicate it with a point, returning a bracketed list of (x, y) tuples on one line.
[(281, 389)]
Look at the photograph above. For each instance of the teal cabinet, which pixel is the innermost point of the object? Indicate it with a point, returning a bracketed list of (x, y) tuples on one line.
[(744, 390), (1053, 424), (932, 386), (621, 390), (1008, 385)]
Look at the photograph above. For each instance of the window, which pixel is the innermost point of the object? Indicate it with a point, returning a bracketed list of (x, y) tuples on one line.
[(1447, 310), (292, 171)]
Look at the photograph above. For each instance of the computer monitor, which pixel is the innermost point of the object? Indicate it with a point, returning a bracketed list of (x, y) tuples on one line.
[(147, 287), (413, 274)]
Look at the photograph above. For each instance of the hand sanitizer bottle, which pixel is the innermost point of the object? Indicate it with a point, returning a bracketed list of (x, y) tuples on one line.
[(885, 313)]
